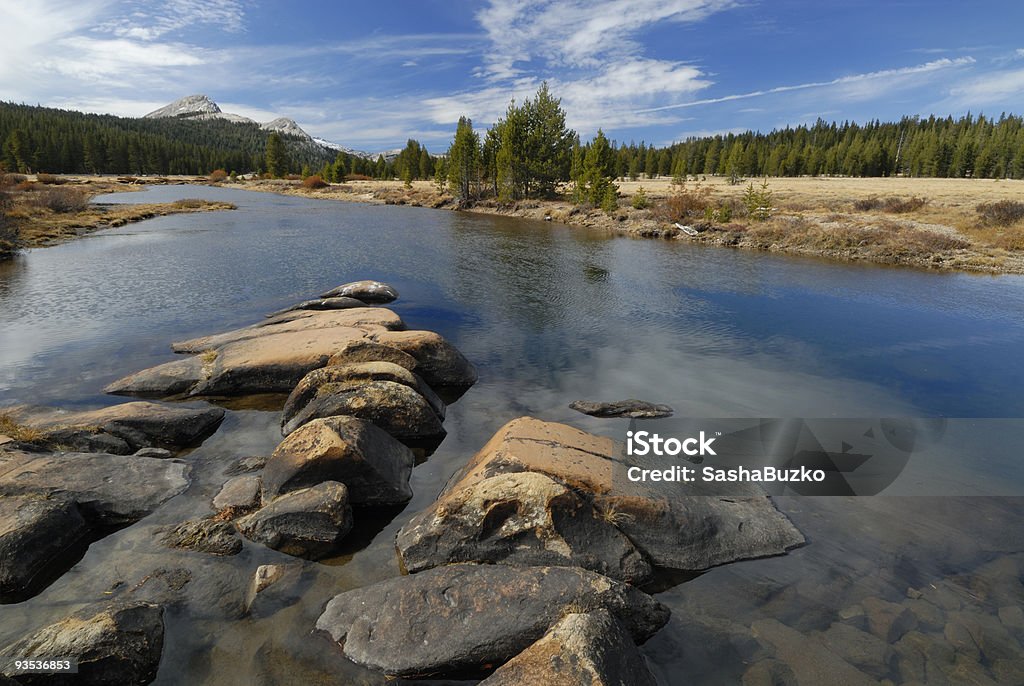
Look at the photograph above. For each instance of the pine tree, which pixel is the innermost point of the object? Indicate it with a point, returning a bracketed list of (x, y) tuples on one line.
[(276, 158), (464, 160)]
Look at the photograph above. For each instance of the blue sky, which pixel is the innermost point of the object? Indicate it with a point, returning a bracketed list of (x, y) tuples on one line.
[(371, 74)]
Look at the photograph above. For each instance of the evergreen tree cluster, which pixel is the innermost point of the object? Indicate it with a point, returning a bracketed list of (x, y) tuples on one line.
[(968, 147), (42, 139)]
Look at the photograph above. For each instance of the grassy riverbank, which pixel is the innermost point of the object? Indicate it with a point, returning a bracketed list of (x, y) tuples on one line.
[(947, 224), (47, 210)]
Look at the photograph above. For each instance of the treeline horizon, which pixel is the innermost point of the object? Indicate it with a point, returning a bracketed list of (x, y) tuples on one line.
[(41, 139)]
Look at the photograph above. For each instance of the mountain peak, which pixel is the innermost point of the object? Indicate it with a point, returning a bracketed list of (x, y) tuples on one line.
[(287, 126), (189, 106)]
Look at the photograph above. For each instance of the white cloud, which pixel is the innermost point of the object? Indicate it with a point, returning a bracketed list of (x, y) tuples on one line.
[(149, 21), (576, 33), (991, 89), (870, 84)]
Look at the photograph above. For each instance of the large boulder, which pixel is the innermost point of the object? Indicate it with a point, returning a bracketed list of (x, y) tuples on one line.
[(463, 616), (438, 362), (323, 381), (678, 528), (522, 518), (394, 407), (109, 490), (120, 429), (366, 291), (373, 466), (370, 351), (117, 643), (583, 648), (39, 537), (365, 318), (321, 304), (308, 523)]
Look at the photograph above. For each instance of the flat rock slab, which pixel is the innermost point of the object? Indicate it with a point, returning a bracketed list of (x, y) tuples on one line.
[(366, 318), (373, 466), (268, 364), (633, 409), (118, 643), (308, 523), (522, 518), (591, 648), (465, 616), (110, 490), (120, 429), (321, 304), (239, 493), (366, 291), (39, 537), (674, 528), (394, 407)]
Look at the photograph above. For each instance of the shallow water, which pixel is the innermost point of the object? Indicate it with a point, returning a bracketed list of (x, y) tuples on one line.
[(548, 314)]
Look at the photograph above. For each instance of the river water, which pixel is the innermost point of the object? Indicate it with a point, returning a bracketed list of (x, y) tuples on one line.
[(548, 314)]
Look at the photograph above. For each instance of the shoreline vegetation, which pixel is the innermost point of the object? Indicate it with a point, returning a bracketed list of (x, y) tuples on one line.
[(974, 225), (43, 210)]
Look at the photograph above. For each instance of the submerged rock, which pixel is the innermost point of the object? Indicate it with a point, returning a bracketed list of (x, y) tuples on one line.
[(677, 528), (308, 523), (322, 304), (438, 362), (634, 409), (117, 643), (239, 493), (109, 490), (38, 537), (120, 429), (374, 467), (204, 536), (394, 407), (465, 616), (810, 661), (520, 518), (591, 648), (366, 291)]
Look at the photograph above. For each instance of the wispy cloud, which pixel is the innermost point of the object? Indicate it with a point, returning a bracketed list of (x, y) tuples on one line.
[(853, 83), (148, 20)]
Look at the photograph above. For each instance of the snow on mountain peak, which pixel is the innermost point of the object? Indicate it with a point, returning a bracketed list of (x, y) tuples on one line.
[(188, 106)]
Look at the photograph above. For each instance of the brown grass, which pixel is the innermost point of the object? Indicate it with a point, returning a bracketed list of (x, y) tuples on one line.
[(314, 182), (19, 432)]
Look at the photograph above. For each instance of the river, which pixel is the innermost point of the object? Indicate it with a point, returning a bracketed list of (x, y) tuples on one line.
[(548, 314)]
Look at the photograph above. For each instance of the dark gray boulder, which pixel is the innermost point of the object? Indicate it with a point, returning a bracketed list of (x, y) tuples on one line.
[(308, 523), (321, 304), (521, 518), (590, 648), (632, 408), (373, 466), (366, 291), (327, 380), (120, 429), (462, 616), (394, 407), (117, 643), (39, 538)]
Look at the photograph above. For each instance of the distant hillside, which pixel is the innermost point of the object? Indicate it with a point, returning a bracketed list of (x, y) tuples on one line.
[(68, 142)]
